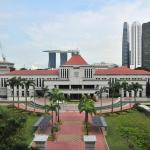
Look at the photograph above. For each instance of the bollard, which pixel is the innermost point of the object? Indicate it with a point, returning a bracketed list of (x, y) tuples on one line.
[(89, 142)]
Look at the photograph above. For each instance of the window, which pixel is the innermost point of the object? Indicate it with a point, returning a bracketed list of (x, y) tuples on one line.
[(22, 93), (11, 93), (27, 93), (17, 93)]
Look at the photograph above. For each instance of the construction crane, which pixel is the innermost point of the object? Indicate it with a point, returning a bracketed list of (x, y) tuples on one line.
[(1, 50)]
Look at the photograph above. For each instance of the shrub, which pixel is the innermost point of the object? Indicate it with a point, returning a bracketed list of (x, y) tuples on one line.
[(51, 137)]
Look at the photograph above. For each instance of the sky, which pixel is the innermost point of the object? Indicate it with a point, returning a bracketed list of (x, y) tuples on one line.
[(27, 27)]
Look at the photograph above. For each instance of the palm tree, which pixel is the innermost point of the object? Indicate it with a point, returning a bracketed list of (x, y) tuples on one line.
[(51, 107), (129, 89), (124, 86), (45, 94), (12, 83), (135, 87), (33, 85), (99, 94), (86, 105), (113, 89), (18, 83), (27, 84), (56, 96), (60, 99)]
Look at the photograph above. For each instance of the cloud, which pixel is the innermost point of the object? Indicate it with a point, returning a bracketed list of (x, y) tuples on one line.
[(96, 32)]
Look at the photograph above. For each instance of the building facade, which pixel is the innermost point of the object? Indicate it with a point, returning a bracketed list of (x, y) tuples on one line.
[(136, 45), (75, 78), (125, 45), (146, 45)]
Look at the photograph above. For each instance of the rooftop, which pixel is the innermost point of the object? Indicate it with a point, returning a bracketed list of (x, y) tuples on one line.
[(34, 72), (76, 60), (121, 71)]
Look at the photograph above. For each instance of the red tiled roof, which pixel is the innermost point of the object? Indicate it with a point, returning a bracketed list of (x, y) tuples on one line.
[(33, 72), (121, 71), (76, 60)]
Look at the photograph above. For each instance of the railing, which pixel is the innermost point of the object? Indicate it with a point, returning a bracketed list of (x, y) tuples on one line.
[(79, 89)]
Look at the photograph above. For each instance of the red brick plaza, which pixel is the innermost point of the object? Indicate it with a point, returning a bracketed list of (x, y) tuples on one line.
[(70, 136)]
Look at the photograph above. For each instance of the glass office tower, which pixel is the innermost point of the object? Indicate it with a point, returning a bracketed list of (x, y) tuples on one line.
[(125, 45), (146, 45)]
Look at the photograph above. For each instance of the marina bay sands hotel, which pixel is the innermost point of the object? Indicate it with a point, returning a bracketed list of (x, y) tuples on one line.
[(63, 56)]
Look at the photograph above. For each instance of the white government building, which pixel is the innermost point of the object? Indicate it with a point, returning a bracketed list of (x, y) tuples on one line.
[(74, 78)]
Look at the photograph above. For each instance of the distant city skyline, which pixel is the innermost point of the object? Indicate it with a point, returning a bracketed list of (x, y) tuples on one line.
[(146, 45), (136, 45), (95, 27), (125, 45)]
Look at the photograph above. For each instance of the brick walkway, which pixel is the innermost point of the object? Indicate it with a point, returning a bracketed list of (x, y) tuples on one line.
[(70, 136)]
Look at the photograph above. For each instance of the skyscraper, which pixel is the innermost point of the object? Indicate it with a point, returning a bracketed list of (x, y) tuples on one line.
[(146, 45), (136, 45), (125, 45), (52, 60), (63, 58)]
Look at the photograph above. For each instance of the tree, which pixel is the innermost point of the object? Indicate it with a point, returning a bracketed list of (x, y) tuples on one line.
[(18, 83), (12, 82), (135, 87), (124, 86), (33, 85), (60, 99), (113, 91), (11, 124), (129, 89), (27, 84), (86, 105), (99, 94), (51, 107), (56, 96), (45, 94)]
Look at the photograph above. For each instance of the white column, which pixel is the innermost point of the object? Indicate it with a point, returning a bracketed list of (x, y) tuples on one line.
[(144, 91), (132, 93), (138, 93), (127, 93)]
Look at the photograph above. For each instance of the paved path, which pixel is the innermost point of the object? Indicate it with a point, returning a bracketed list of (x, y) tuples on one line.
[(71, 134)]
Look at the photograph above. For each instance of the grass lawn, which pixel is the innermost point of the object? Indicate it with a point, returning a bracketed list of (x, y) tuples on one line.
[(128, 131), (28, 130)]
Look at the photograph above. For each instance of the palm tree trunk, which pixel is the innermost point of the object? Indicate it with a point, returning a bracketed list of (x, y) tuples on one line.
[(121, 102), (112, 100), (18, 99), (26, 97), (112, 105), (130, 101), (58, 117), (45, 102), (86, 123), (34, 98), (13, 98), (101, 104), (52, 132), (135, 97)]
